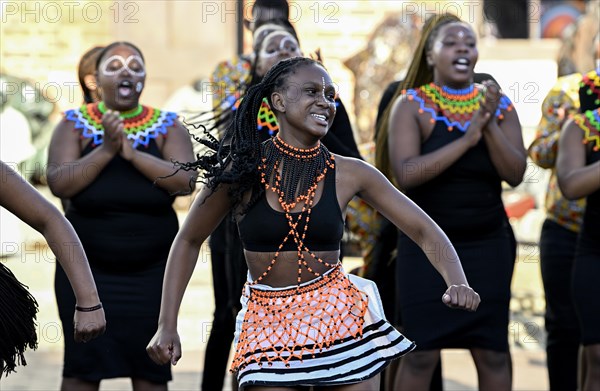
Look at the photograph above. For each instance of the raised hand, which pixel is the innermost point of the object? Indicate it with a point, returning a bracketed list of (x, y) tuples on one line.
[(485, 114), (461, 297), (491, 96)]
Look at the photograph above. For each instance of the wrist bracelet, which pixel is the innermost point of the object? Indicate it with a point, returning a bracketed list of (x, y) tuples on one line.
[(88, 309)]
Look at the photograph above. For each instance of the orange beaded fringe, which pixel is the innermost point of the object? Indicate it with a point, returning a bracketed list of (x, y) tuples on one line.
[(292, 324)]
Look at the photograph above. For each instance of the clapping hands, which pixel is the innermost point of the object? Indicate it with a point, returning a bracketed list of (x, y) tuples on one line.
[(491, 98), (115, 139), (113, 129), (486, 113)]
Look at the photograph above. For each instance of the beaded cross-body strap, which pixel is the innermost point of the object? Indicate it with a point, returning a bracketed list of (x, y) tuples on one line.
[(294, 174)]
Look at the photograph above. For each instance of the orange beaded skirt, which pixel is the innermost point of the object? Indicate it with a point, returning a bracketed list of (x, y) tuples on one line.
[(328, 331)]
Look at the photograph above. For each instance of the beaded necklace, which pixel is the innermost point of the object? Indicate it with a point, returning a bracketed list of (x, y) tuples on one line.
[(455, 107), (589, 122), (140, 124), (293, 174)]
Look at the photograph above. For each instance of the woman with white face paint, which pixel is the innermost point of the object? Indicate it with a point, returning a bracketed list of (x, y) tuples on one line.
[(110, 159)]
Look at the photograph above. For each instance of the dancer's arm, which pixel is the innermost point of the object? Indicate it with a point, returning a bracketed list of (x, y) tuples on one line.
[(371, 185), (204, 216), (20, 198)]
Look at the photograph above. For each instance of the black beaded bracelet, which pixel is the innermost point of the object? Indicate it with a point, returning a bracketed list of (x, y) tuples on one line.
[(88, 309)]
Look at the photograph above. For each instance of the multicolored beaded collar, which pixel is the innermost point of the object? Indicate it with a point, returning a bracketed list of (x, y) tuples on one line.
[(454, 107), (589, 122), (141, 124)]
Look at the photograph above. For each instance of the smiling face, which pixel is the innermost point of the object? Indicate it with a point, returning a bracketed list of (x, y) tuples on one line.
[(277, 46), (453, 55), (121, 76), (305, 105)]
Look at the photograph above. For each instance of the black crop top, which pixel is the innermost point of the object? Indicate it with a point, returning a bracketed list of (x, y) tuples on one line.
[(262, 228)]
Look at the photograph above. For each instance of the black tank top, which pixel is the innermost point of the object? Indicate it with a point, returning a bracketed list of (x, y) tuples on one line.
[(262, 228), (464, 200), (123, 220)]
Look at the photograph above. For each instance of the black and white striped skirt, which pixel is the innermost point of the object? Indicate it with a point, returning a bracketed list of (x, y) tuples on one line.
[(329, 331)]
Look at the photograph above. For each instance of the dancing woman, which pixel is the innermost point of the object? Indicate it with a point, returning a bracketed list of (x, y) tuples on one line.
[(304, 321)]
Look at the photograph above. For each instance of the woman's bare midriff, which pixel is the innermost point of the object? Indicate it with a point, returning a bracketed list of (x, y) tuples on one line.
[(285, 271)]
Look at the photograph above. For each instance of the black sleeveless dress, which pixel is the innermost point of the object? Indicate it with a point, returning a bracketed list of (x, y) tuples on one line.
[(586, 271), (126, 226), (465, 201)]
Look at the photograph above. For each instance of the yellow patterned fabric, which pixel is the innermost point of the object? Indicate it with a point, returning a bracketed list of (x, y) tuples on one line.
[(229, 80), (562, 100)]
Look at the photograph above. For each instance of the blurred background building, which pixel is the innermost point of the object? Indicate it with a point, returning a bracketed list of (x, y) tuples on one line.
[(365, 44)]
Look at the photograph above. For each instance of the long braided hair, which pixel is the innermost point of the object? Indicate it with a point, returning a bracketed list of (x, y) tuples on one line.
[(234, 159), (418, 74)]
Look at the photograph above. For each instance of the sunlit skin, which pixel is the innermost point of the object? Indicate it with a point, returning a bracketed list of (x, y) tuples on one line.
[(21, 199), (308, 100), (302, 104), (87, 74)]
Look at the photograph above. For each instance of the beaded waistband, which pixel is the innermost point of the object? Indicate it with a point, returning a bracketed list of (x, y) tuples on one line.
[(265, 291)]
